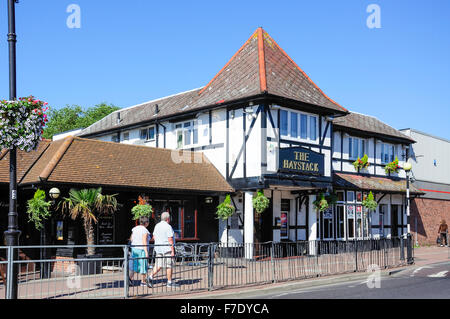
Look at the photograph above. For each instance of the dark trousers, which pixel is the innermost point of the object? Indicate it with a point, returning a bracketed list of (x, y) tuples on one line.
[(444, 239)]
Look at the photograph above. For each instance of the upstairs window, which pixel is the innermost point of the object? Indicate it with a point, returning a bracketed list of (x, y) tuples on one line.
[(187, 134), (356, 147), (148, 134), (387, 153), (298, 125)]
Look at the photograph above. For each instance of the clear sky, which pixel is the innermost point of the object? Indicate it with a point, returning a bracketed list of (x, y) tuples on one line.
[(130, 52)]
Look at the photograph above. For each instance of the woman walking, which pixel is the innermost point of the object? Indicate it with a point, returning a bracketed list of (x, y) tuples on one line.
[(443, 230), (140, 238)]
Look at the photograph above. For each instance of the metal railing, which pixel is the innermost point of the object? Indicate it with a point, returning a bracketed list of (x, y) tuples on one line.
[(195, 267)]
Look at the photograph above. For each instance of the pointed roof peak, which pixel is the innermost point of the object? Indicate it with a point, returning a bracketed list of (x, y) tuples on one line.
[(262, 66)]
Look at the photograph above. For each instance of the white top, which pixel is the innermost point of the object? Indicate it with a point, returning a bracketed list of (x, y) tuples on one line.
[(137, 234), (161, 235)]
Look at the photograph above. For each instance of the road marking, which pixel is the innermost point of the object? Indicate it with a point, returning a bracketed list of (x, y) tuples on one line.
[(439, 274), (418, 269)]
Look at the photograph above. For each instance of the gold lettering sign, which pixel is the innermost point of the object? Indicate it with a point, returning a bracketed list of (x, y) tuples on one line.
[(301, 163)]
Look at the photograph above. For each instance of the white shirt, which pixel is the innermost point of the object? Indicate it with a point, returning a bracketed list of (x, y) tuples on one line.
[(161, 235), (137, 234)]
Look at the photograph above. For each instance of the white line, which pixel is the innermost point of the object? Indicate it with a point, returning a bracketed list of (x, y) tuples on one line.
[(439, 274)]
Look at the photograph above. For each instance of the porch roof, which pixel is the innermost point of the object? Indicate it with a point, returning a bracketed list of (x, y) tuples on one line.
[(372, 183)]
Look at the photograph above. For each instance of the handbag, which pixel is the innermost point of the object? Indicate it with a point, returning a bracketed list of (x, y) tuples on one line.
[(438, 240)]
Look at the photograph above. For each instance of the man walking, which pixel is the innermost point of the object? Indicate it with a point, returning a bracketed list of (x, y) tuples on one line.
[(164, 248)]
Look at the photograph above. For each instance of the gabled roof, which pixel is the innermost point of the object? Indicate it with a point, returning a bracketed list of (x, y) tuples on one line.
[(90, 162), (369, 124), (259, 66)]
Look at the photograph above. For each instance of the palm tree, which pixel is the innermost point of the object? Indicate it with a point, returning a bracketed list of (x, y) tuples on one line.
[(87, 204)]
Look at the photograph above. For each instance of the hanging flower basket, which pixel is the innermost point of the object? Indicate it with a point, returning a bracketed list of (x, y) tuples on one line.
[(321, 203), (369, 202), (225, 209), (361, 163), (142, 209), (260, 202), (392, 167), (22, 123)]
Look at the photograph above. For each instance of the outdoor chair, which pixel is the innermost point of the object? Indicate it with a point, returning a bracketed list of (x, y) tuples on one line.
[(184, 251)]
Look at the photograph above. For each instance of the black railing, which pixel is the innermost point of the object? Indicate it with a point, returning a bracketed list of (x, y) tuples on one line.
[(196, 267)]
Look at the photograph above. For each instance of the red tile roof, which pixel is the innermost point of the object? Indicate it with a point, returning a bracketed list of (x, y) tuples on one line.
[(91, 162), (259, 66)]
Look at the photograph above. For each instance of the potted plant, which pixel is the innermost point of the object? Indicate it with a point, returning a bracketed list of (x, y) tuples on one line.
[(361, 163), (142, 209), (22, 123), (38, 210), (321, 203), (225, 209), (369, 202), (392, 167), (260, 202), (88, 204)]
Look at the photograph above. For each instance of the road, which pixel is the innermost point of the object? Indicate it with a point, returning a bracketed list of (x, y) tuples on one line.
[(426, 282)]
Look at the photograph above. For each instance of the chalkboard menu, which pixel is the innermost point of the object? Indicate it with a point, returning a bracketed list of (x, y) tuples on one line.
[(105, 230)]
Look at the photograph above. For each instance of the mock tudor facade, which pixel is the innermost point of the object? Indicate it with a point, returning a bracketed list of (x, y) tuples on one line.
[(265, 125)]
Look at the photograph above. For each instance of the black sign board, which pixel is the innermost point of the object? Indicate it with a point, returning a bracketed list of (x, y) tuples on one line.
[(299, 160), (105, 230)]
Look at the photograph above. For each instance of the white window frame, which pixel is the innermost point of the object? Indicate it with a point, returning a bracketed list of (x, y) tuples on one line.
[(181, 128), (299, 126), (361, 150), (392, 152), (147, 134)]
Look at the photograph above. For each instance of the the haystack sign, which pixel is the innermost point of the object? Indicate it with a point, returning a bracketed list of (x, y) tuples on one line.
[(300, 160)]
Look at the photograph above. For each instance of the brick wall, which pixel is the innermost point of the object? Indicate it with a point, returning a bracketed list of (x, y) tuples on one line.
[(429, 213)]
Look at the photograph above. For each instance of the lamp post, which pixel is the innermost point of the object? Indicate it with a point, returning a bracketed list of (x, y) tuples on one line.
[(13, 233), (407, 167)]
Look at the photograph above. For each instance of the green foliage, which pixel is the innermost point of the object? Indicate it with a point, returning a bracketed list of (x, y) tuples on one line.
[(260, 202), (88, 204), (392, 167), (38, 209), (321, 203), (361, 163), (73, 117), (369, 202), (225, 210), (142, 211)]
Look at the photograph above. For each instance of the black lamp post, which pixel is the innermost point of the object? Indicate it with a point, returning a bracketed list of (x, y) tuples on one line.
[(13, 233)]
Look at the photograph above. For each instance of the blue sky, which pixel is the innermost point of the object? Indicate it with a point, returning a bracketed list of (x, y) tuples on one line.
[(129, 52)]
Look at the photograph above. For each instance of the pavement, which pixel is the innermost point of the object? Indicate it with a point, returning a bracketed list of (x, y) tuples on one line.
[(423, 257)]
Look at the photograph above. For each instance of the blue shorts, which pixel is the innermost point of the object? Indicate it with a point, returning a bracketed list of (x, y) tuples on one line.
[(140, 262)]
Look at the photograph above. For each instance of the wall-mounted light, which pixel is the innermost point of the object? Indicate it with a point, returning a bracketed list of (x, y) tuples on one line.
[(208, 200), (54, 193)]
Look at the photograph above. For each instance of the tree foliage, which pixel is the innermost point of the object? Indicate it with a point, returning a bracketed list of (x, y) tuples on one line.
[(73, 117)]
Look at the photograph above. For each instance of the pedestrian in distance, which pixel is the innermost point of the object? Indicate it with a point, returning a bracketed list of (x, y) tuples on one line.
[(140, 240), (443, 231), (163, 235)]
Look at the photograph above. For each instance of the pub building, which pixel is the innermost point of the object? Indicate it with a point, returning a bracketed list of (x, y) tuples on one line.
[(265, 125)]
